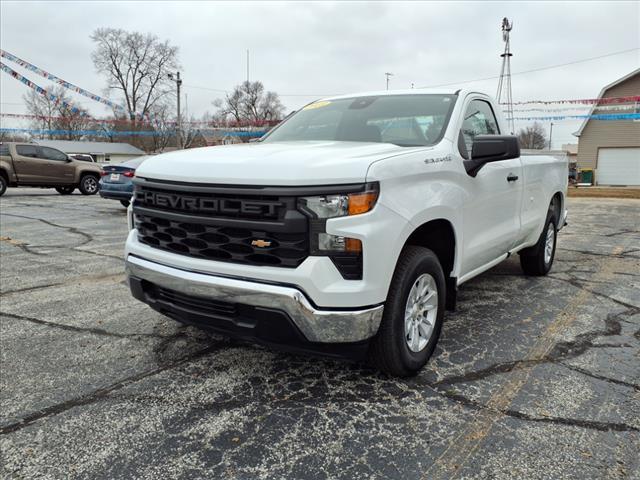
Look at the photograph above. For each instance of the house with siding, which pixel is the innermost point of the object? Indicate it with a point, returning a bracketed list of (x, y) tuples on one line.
[(612, 147)]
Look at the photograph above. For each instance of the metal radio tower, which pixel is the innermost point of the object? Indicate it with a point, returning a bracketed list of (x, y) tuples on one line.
[(504, 84)]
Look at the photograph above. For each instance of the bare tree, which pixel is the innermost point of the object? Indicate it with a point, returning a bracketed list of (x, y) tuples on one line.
[(136, 65), (533, 137), (51, 114), (249, 104), (42, 108)]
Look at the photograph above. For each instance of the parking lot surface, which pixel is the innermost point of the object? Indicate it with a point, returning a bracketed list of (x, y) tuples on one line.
[(532, 378)]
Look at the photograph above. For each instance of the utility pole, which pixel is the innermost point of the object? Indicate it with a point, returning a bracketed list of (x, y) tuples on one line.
[(388, 74), (178, 81), (550, 134), (504, 84)]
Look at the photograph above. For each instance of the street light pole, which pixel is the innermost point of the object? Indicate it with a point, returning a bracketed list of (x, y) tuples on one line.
[(388, 74), (550, 134), (179, 125)]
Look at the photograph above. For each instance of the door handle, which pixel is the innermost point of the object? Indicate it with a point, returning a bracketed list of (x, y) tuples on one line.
[(512, 178)]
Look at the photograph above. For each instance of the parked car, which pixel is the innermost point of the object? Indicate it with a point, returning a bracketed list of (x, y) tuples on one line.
[(32, 165), (83, 157), (348, 228), (116, 180)]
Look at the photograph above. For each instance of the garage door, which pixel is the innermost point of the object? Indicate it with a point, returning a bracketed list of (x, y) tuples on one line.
[(618, 166)]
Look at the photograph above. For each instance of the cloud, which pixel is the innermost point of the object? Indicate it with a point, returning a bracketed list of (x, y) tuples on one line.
[(324, 48)]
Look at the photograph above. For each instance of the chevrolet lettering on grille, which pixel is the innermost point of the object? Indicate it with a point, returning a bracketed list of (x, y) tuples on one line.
[(208, 205)]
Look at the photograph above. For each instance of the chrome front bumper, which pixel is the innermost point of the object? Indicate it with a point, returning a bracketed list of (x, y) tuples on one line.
[(317, 325)]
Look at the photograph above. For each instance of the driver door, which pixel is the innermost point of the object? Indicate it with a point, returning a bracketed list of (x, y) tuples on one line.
[(492, 207)]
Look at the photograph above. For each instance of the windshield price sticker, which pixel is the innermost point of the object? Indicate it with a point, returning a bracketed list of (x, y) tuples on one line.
[(315, 105)]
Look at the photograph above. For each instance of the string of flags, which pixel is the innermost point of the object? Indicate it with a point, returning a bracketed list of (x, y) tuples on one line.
[(621, 116), (60, 81), (116, 133), (583, 101), (40, 90), (604, 108)]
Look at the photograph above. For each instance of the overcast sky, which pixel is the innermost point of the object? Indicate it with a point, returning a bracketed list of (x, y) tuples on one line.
[(308, 50)]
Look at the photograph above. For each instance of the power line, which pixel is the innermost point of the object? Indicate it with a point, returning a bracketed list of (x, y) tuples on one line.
[(539, 69), (536, 69)]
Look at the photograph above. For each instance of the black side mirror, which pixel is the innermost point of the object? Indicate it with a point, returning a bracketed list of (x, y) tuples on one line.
[(491, 148)]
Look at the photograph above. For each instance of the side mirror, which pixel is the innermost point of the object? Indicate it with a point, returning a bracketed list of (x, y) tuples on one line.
[(69, 159), (491, 148)]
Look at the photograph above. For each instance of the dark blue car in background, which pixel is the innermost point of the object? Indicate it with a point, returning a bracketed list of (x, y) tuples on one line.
[(117, 180)]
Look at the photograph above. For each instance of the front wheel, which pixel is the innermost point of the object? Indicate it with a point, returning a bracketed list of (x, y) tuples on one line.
[(65, 190), (89, 185), (537, 260), (3, 185), (413, 314)]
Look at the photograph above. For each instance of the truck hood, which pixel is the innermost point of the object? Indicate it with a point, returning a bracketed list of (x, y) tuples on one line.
[(279, 163)]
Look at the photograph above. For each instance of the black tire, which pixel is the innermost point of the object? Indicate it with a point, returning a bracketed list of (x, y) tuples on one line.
[(89, 184), (3, 185), (389, 350), (125, 203), (65, 190), (535, 260)]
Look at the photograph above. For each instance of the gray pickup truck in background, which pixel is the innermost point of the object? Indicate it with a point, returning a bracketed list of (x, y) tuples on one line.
[(32, 165)]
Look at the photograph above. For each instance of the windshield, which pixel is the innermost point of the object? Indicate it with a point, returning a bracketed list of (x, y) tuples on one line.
[(405, 120)]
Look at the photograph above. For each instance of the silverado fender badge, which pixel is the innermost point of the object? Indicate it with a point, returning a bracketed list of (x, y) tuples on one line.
[(261, 243), (446, 158)]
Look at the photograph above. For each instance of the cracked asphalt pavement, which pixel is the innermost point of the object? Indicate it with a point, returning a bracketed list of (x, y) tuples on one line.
[(532, 378)]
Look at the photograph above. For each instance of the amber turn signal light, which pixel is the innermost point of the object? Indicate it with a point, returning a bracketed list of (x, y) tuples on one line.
[(362, 202), (353, 245)]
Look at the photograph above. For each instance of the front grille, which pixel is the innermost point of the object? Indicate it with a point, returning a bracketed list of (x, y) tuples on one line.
[(222, 243), (249, 229)]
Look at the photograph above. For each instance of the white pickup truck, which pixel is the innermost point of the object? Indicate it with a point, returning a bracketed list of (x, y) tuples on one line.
[(347, 229)]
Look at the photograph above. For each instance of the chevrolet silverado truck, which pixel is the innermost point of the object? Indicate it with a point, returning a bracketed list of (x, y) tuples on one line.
[(347, 229), (32, 165)]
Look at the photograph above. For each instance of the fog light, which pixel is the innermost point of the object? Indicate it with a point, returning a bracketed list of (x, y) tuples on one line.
[(338, 243)]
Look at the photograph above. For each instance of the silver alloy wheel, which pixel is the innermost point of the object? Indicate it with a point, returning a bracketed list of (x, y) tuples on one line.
[(548, 243), (90, 184), (420, 312)]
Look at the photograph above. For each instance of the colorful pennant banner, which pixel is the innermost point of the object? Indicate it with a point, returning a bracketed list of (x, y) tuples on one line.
[(587, 101), (117, 121), (605, 108), (115, 133), (40, 90), (622, 116), (60, 81)]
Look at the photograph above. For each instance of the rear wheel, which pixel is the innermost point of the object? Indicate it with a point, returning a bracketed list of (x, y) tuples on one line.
[(89, 184), (413, 314), (124, 203), (65, 190), (3, 185), (537, 260)]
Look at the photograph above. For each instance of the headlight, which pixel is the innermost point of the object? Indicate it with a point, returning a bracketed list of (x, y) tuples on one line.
[(341, 205), (323, 207)]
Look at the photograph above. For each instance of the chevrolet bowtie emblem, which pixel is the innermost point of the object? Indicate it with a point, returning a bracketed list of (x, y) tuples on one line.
[(261, 243)]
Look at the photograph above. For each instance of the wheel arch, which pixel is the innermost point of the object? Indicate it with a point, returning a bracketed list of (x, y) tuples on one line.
[(557, 204), (439, 236)]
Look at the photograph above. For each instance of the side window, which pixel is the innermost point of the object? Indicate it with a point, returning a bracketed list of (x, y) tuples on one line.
[(479, 119), (53, 154), (4, 150), (27, 150)]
